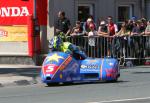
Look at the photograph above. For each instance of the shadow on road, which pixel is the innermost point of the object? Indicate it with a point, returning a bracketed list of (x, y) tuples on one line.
[(84, 83), (141, 72), (28, 72)]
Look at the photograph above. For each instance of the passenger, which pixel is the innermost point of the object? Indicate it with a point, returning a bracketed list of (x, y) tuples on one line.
[(57, 44)]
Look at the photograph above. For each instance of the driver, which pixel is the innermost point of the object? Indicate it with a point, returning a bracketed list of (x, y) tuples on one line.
[(57, 44)]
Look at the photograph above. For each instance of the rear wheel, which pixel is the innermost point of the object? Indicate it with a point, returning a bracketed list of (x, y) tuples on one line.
[(115, 80), (52, 84)]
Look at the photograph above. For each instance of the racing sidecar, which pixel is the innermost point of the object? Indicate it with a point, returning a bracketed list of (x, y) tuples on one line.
[(62, 67)]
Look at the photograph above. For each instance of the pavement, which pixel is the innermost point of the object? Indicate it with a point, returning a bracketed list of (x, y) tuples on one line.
[(18, 75)]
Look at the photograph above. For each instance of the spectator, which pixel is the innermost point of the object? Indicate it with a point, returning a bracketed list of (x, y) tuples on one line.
[(123, 31), (112, 28), (143, 25), (147, 30), (92, 39), (134, 18), (63, 23), (102, 29), (144, 21), (91, 34), (129, 26), (135, 42), (121, 42), (86, 28), (136, 28), (147, 41), (77, 30)]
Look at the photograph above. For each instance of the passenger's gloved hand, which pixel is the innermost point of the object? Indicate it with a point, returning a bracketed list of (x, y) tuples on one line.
[(69, 52)]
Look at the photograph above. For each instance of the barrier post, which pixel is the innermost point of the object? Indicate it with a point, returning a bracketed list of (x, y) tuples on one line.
[(37, 40), (30, 36)]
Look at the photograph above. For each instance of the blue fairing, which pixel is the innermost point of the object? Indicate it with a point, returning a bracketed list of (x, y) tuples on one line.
[(62, 67), (99, 69)]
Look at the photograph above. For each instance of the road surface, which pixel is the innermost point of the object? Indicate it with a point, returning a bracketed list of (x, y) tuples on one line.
[(132, 87)]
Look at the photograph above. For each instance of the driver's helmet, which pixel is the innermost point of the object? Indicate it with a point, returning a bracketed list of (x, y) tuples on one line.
[(56, 42)]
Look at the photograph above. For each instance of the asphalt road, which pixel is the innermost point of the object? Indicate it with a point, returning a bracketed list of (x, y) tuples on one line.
[(132, 87)]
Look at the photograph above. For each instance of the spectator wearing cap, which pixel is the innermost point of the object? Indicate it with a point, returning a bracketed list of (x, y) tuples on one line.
[(134, 41), (136, 28), (134, 18), (130, 24), (102, 29), (77, 30)]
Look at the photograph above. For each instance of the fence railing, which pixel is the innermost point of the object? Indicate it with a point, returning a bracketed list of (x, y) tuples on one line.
[(127, 47)]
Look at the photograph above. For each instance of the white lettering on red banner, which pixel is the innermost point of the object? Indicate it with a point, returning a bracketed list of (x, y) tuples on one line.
[(13, 11)]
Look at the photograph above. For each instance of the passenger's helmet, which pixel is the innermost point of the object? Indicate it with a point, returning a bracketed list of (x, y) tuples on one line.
[(56, 42)]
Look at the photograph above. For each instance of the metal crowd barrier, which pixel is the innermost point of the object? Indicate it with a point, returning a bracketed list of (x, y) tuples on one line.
[(127, 47)]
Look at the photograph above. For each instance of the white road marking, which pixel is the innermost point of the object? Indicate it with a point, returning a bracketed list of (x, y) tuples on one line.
[(122, 100)]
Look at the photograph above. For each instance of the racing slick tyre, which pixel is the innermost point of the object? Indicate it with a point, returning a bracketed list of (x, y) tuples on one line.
[(68, 83), (52, 84), (112, 81), (115, 80)]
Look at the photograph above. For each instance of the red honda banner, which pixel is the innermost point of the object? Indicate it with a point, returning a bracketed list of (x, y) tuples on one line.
[(15, 12)]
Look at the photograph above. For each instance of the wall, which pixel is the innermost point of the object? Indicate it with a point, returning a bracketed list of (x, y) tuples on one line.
[(148, 9), (136, 4), (106, 8), (65, 5)]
